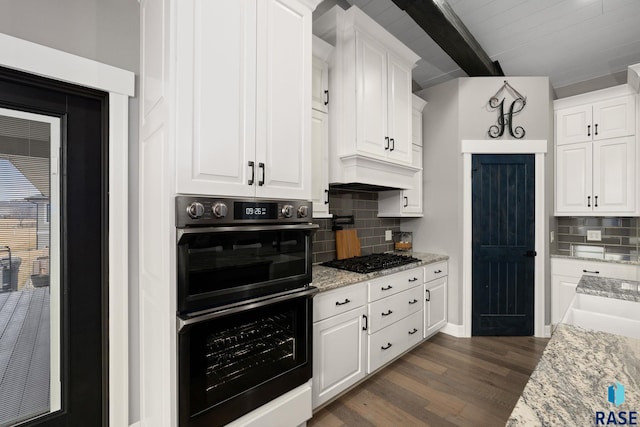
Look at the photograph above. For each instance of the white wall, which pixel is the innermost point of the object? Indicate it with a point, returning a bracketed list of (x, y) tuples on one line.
[(476, 116), (106, 31)]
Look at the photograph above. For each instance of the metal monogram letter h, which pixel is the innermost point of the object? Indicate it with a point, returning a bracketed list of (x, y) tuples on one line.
[(507, 119)]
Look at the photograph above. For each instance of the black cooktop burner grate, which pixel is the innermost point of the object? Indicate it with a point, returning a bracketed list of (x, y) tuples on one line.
[(370, 263)]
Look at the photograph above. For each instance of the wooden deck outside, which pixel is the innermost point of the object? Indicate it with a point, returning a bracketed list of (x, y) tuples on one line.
[(24, 354)]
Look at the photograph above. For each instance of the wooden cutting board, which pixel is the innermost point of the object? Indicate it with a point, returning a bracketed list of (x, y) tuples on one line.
[(347, 244)]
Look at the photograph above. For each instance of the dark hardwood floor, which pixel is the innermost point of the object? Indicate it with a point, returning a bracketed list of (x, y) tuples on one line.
[(446, 381)]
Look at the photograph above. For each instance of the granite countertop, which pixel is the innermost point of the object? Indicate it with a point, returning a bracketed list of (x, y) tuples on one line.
[(612, 261), (628, 290), (327, 278), (572, 378)]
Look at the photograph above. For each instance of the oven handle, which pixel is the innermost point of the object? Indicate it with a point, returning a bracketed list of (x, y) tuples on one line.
[(202, 230), (251, 304)]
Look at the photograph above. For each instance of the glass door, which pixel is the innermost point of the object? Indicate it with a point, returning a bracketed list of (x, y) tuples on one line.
[(30, 285)]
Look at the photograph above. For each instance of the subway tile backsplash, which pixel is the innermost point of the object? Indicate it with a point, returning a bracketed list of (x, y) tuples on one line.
[(364, 207), (620, 235)]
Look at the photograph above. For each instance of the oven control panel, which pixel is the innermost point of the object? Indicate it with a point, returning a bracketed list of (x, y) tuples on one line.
[(210, 211)]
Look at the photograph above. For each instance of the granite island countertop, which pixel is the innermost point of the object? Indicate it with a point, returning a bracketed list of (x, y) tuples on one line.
[(572, 378), (327, 278), (628, 290)]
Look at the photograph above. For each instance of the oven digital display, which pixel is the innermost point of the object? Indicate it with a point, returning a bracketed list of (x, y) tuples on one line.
[(255, 210)]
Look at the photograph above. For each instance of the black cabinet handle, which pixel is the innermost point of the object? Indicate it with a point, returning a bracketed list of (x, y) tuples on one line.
[(428, 295), (413, 332), (596, 129), (386, 288), (326, 94), (413, 302), (386, 142), (406, 201), (346, 301), (253, 173), (261, 166), (592, 272), (588, 201), (415, 279), (387, 313), (326, 197), (588, 130), (531, 254), (596, 204), (366, 322), (387, 347), (393, 144), (437, 272)]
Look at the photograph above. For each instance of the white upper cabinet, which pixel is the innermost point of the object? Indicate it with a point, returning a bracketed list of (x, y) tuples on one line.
[(320, 128), (407, 203), (319, 164), (596, 154), (600, 120), (244, 98), (370, 109)]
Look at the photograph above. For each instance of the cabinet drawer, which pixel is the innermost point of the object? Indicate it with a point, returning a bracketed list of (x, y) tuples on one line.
[(576, 268), (435, 271), (330, 303), (388, 343), (394, 283), (391, 309)]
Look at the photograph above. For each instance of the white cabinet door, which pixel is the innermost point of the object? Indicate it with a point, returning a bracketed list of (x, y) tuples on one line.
[(563, 289), (243, 97), (320, 164), (283, 136), (614, 182), (435, 306), (371, 103), (399, 110), (338, 354), (574, 125), (614, 118), (412, 199), (319, 85), (574, 178), (215, 97)]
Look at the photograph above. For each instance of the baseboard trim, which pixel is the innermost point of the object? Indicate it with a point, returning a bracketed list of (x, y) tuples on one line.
[(454, 330), (547, 331)]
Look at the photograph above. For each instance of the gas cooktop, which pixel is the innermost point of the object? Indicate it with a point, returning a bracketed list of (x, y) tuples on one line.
[(370, 263)]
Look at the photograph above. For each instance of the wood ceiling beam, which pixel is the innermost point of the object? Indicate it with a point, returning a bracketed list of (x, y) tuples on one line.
[(442, 24)]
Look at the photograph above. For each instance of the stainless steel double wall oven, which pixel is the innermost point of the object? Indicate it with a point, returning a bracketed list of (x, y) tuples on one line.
[(244, 304)]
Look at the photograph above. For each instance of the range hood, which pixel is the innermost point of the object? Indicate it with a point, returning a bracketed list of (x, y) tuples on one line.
[(364, 173)]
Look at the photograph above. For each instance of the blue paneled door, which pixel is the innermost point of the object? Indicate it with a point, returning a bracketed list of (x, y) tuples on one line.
[(503, 244)]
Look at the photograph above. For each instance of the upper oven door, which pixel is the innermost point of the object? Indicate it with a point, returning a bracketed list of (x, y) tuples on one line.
[(218, 266)]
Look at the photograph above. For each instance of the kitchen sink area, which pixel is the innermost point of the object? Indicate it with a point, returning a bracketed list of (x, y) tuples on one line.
[(596, 345)]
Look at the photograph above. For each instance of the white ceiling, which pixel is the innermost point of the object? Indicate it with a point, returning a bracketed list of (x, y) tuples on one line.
[(570, 41)]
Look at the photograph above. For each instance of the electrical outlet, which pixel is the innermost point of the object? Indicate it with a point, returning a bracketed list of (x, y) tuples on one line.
[(388, 236), (594, 235)]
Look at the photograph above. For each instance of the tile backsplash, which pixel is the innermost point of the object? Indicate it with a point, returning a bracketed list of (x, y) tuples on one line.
[(364, 207), (620, 235)]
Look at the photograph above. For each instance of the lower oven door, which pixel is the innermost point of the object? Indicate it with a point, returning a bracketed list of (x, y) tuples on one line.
[(235, 360)]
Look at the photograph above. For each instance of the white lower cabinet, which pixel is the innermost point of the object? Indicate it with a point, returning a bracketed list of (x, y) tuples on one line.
[(566, 273), (435, 306), (339, 341), (359, 328), (388, 343)]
